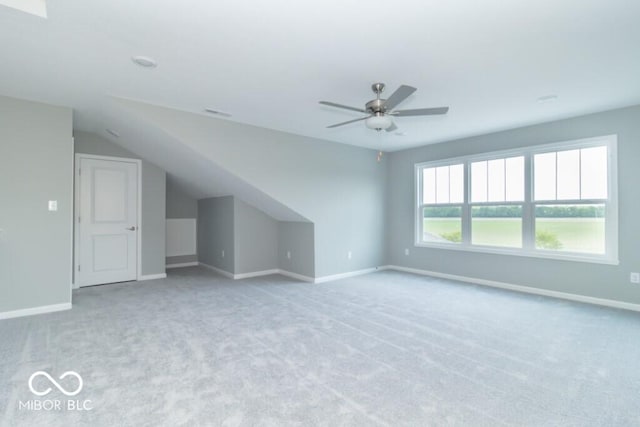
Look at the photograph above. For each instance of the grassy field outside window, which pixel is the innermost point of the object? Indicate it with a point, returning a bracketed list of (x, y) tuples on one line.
[(572, 234)]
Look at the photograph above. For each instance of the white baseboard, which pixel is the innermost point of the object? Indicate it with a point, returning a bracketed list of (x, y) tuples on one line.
[(291, 274), (182, 264), (521, 288), (339, 276), (225, 273), (152, 277), (240, 276), (332, 277), (296, 276), (35, 310), (255, 274)]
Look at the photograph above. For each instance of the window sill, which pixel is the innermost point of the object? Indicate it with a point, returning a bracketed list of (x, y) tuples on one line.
[(521, 253)]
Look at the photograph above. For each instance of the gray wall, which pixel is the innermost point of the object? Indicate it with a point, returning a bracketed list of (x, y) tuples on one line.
[(153, 226), (36, 150), (180, 205), (153, 193), (297, 238), (248, 236), (215, 232), (597, 280), (255, 239), (339, 188)]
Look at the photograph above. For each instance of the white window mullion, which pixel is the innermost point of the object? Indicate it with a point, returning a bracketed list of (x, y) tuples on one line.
[(421, 223), (580, 174), (449, 179), (555, 155), (419, 175), (528, 207), (611, 206), (504, 179), (466, 206), (435, 188)]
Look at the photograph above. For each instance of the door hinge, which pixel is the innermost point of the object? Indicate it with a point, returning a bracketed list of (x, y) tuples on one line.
[(78, 220), (78, 268)]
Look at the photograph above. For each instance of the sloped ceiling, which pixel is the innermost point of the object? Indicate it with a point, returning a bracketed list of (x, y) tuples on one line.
[(197, 175), (314, 180)]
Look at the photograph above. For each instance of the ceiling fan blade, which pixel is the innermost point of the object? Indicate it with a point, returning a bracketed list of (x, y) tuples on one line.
[(421, 112), (398, 96), (346, 107), (391, 128), (346, 123)]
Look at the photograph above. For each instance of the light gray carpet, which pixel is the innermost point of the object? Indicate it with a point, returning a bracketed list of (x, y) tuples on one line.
[(383, 349)]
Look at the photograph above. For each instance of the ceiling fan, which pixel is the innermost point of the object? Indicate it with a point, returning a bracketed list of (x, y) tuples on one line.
[(380, 110)]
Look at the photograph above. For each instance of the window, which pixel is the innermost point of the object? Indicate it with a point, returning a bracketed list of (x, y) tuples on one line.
[(442, 199), (571, 194), (554, 201), (497, 181)]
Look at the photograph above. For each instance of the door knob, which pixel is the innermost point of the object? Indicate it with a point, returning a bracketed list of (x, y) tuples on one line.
[(131, 228)]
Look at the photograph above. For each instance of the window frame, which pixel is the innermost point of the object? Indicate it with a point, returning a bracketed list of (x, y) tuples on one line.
[(421, 206), (528, 249)]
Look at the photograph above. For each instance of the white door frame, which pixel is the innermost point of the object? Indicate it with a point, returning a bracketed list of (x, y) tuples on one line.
[(76, 211)]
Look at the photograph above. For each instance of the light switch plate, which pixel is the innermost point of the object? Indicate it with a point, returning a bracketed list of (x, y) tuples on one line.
[(53, 205)]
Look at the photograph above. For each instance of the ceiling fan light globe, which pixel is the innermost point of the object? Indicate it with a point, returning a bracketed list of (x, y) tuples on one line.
[(379, 122)]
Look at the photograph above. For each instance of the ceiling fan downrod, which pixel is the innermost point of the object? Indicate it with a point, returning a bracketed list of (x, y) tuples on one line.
[(376, 106)]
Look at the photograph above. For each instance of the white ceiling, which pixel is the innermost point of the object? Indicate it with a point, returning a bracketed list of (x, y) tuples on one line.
[(269, 63)]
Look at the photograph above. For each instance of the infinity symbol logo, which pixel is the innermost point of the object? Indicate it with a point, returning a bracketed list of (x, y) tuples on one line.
[(55, 383)]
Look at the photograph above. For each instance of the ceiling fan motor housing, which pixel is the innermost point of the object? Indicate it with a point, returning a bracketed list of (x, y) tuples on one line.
[(376, 106)]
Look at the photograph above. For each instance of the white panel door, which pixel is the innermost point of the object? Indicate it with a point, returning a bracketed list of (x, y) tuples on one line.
[(108, 222)]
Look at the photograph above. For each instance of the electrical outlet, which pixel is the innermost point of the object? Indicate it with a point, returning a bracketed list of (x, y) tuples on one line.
[(53, 205), (406, 251), (223, 253), (634, 277), (288, 254), (349, 255)]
